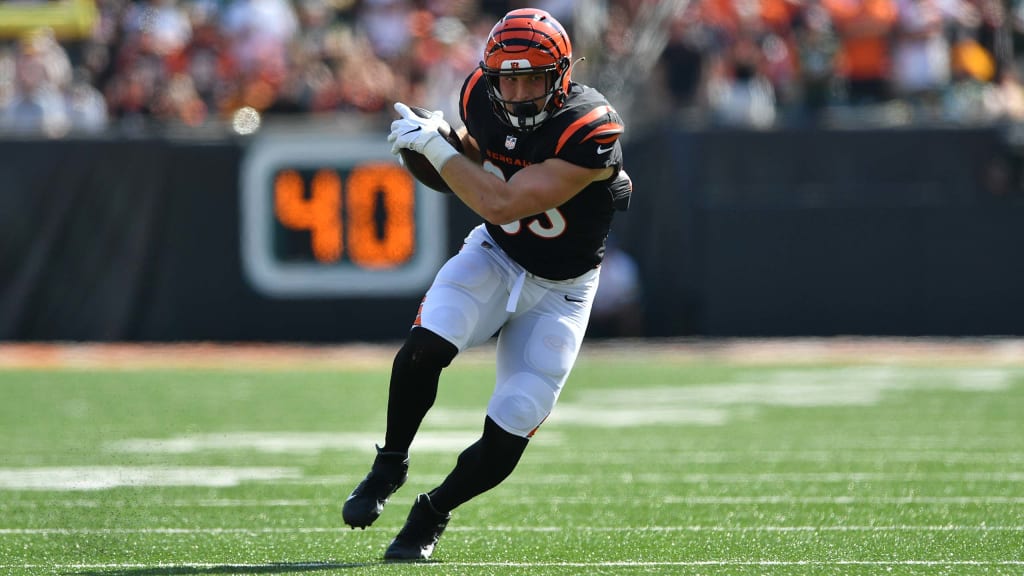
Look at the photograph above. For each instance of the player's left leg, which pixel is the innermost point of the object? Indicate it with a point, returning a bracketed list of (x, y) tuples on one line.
[(480, 467)]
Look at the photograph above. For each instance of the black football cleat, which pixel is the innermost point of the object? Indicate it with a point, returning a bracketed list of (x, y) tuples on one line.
[(390, 470), (420, 534)]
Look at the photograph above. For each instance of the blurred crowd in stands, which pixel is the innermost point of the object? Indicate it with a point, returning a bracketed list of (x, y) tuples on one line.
[(758, 63)]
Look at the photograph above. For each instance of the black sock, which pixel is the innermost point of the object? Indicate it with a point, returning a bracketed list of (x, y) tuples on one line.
[(481, 467), (414, 377)]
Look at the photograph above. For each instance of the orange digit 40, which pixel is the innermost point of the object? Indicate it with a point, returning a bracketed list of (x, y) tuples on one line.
[(371, 189)]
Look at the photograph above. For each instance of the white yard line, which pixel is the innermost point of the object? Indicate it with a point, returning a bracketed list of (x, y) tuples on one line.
[(441, 565), (532, 478), (545, 454), (560, 500), (869, 454), (542, 529), (100, 477), (884, 500), (760, 478)]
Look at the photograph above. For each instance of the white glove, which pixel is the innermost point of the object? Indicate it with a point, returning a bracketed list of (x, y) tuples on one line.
[(421, 135)]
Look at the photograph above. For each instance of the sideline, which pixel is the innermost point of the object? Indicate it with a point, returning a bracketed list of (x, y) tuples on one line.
[(992, 352)]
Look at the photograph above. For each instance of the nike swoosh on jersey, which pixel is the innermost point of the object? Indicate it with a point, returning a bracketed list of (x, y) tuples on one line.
[(601, 150)]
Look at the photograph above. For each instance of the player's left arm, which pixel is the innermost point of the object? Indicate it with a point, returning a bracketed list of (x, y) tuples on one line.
[(469, 146)]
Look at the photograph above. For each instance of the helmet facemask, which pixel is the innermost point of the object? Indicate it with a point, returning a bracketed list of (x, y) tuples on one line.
[(524, 43), (526, 115)]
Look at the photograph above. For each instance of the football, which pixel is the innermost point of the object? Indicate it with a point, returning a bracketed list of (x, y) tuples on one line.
[(418, 165)]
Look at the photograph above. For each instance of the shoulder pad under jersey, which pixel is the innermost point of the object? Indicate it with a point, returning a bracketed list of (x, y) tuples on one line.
[(590, 132)]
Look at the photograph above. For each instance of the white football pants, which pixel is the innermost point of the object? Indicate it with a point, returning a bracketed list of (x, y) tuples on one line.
[(481, 290)]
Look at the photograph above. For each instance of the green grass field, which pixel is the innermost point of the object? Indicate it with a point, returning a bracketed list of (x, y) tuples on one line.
[(652, 464)]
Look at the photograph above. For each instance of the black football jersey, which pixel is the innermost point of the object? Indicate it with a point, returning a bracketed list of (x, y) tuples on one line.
[(569, 240)]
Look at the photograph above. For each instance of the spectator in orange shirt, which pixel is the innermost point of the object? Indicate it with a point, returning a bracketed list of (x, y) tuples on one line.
[(863, 27)]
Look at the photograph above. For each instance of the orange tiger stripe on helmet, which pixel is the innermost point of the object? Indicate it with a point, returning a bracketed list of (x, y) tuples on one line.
[(522, 31)]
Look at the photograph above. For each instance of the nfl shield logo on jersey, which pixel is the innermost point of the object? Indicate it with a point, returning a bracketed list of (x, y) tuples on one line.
[(510, 142)]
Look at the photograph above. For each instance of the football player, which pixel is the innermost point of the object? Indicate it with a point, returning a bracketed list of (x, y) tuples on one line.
[(543, 168)]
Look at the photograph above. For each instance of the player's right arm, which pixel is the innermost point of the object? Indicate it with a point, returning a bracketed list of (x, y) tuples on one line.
[(532, 190)]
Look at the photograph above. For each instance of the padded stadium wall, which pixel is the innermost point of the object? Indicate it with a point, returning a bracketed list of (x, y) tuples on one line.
[(781, 233)]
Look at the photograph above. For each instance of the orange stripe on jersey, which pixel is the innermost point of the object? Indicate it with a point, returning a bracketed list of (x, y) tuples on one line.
[(605, 133), (419, 313), (580, 123), (469, 90), (534, 431)]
